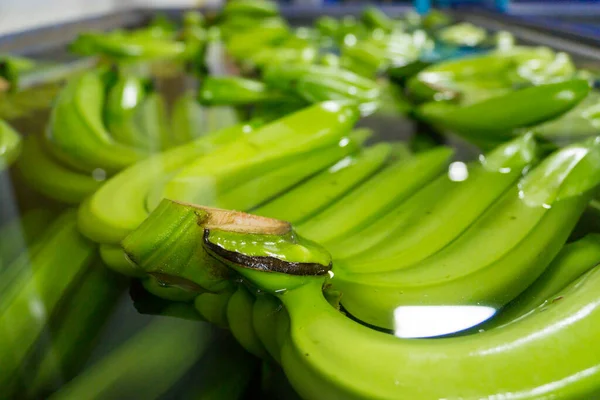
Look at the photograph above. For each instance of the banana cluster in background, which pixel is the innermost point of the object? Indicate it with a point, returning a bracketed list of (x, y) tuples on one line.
[(261, 230)]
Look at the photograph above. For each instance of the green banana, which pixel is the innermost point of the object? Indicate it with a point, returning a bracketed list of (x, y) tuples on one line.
[(135, 369), (573, 261), (10, 145), (132, 46), (319, 83), (374, 18), (152, 120), (123, 98), (314, 195), (187, 120), (263, 188), (266, 319), (256, 9), (437, 214), (233, 90), (149, 304), (504, 114), (574, 125), (157, 287), (264, 34), (77, 136), (213, 307), (36, 291), (483, 76), (74, 329), (240, 318), (65, 185), (462, 34), (523, 232), (292, 136), (382, 192)]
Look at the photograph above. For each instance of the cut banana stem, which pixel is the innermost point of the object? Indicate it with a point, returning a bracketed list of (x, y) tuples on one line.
[(165, 246), (504, 251), (436, 215), (382, 192), (320, 191)]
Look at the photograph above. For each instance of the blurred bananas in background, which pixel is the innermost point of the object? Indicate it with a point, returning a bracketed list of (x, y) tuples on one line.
[(257, 223)]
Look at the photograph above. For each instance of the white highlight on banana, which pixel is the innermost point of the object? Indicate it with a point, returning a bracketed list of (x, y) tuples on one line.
[(99, 174), (458, 171), (551, 329), (350, 40), (429, 321), (130, 97), (547, 389), (345, 162)]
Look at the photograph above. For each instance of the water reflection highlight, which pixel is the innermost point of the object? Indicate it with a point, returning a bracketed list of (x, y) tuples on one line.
[(430, 321)]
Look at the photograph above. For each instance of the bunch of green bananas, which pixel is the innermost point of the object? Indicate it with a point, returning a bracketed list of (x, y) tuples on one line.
[(160, 40), (98, 127), (281, 311), (485, 99), (536, 211)]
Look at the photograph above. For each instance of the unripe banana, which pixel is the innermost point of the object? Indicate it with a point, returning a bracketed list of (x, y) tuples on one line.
[(318, 192), (239, 316), (213, 307), (266, 319), (434, 216), (573, 261), (10, 145), (77, 135), (276, 182), (382, 192), (35, 286), (47, 176), (497, 257), (294, 135)]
